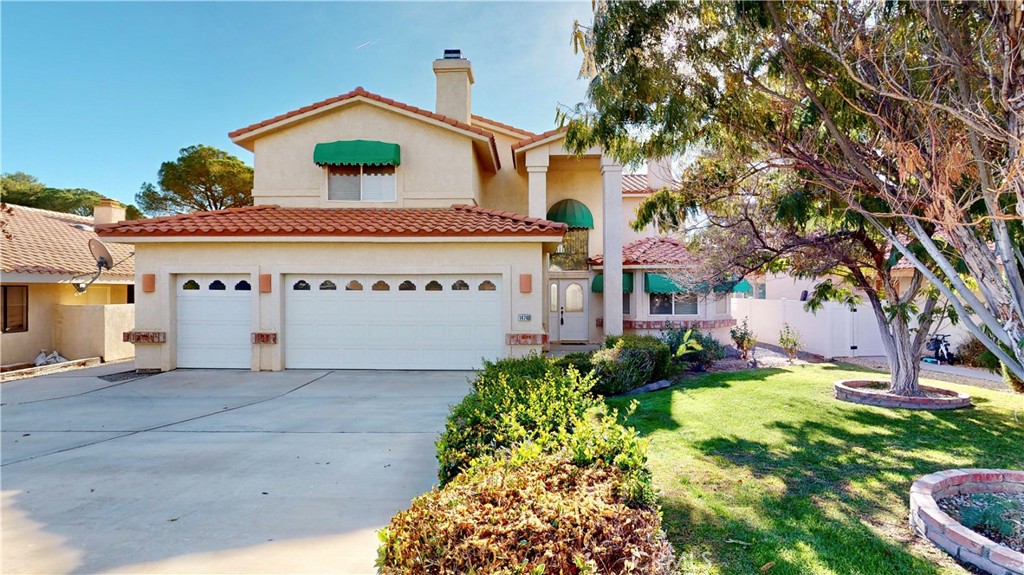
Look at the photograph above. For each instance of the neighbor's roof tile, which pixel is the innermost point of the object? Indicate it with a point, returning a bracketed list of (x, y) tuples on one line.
[(45, 242), (650, 251), (271, 220), (503, 125)]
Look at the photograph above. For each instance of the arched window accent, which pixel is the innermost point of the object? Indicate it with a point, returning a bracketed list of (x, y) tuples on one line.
[(460, 285), (191, 285), (407, 286), (328, 285), (243, 286), (353, 286), (574, 297), (381, 285), (486, 285), (433, 285), (217, 285), (301, 285)]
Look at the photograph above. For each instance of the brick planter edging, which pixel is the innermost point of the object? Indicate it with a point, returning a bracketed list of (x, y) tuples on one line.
[(848, 390), (934, 524)]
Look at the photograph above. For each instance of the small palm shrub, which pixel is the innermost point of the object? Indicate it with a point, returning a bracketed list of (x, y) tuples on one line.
[(989, 514), (744, 339), (541, 515), (690, 346), (789, 341)]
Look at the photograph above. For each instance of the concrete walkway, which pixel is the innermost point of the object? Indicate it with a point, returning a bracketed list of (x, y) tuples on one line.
[(202, 471)]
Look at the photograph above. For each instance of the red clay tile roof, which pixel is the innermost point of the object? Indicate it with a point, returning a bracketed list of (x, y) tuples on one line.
[(649, 252), (635, 184), (503, 125), (359, 91), (536, 138), (271, 220), (45, 242)]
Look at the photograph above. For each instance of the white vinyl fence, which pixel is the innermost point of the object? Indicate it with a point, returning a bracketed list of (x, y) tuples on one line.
[(835, 331)]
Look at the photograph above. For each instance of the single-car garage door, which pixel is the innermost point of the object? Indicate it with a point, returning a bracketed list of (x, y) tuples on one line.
[(392, 322), (214, 321)]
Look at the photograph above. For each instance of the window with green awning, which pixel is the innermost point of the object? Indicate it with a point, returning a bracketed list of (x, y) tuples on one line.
[(659, 283), (357, 153), (597, 286), (743, 287), (572, 213)]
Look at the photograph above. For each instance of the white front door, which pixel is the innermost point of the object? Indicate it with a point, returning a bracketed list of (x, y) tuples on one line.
[(392, 321), (214, 321), (567, 319)]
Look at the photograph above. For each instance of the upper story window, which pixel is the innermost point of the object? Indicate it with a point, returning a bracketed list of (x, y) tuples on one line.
[(359, 170), (572, 252), (361, 183)]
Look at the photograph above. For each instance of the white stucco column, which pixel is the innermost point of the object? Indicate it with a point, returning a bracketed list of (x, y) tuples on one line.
[(537, 169), (611, 188)]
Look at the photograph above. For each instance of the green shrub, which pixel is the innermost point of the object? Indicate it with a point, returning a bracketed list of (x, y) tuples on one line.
[(789, 341), (744, 339), (989, 514), (972, 352), (620, 370), (661, 354), (581, 360), (703, 355), (532, 366), (542, 515), (502, 411)]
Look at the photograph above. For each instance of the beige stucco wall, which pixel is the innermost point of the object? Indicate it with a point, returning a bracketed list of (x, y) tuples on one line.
[(439, 167), (508, 189), (156, 310), (42, 301), (93, 331), (629, 207)]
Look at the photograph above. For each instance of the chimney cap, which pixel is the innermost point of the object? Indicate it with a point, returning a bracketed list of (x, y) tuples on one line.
[(452, 54)]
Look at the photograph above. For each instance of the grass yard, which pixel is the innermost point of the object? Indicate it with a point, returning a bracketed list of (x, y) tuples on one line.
[(764, 472)]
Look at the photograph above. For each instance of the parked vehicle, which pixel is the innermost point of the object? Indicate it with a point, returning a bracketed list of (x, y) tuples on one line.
[(938, 344)]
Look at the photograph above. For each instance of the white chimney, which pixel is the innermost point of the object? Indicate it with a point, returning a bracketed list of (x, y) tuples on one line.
[(108, 212), (454, 86), (659, 173)]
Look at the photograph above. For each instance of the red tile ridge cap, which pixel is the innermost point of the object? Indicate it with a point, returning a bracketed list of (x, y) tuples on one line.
[(360, 91), (209, 213), (511, 216), (503, 125), (537, 138)]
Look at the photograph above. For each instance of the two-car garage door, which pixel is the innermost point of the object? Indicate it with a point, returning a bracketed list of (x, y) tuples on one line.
[(391, 322)]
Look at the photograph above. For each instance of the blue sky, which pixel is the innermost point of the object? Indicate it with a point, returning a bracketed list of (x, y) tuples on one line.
[(97, 95)]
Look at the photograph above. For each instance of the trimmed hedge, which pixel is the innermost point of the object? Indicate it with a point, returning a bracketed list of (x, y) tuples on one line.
[(546, 515), (512, 401)]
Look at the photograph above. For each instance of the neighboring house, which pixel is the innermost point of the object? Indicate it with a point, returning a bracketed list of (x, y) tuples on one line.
[(388, 236), (42, 310)]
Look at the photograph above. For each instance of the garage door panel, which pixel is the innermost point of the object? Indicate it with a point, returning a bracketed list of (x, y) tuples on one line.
[(394, 329), (213, 325)]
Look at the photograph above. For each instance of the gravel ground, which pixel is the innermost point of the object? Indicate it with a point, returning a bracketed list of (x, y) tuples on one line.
[(1012, 515), (930, 374)]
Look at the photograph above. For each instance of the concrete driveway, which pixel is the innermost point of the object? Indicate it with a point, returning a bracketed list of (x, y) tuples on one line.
[(204, 471)]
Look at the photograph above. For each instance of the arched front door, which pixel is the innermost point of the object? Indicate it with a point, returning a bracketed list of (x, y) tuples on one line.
[(568, 309)]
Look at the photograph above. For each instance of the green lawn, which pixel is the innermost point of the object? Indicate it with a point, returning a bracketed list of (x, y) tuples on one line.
[(764, 472)]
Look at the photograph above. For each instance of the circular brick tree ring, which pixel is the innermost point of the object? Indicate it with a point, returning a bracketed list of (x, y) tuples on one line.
[(867, 392), (938, 527)]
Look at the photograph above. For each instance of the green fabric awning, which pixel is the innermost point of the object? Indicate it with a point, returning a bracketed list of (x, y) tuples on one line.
[(743, 287), (572, 212), (627, 283), (658, 283), (357, 153)]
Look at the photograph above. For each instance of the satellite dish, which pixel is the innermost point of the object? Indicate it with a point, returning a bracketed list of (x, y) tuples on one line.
[(103, 260), (101, 254)]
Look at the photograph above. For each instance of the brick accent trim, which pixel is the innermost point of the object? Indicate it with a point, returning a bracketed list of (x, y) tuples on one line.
[(663, 323), (137, 337), (930, 522), (850, 391), (526, 339), (263, 338)]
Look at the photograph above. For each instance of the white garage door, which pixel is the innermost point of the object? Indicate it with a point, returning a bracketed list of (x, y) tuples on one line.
[(214, 321), (392, 322)]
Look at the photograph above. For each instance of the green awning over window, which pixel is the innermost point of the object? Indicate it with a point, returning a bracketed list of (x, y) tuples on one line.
[(658, 283), (743, 287), (357, 153), (572, 212), (627, 283)]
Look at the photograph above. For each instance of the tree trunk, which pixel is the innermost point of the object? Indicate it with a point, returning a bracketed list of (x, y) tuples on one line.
[(901, 349)]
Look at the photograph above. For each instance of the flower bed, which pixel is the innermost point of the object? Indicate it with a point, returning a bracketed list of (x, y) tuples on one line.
[(938, 527), (875, 393)]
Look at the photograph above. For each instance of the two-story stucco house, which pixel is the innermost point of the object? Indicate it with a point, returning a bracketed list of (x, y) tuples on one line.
[(388, 236)]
